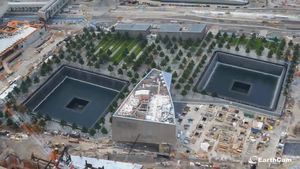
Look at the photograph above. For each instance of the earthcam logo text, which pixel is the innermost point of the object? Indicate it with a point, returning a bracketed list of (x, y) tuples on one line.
[(270, 160)]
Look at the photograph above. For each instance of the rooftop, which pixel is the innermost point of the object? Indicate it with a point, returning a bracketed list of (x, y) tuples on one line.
[(292, 148), (49, 5), (11, 34), (79, 162), (181, 28), (150, 100), (133, 26)]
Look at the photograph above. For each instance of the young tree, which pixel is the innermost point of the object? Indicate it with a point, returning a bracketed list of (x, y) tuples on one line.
[(120, 71), (247, 50), (161, 54), (153, 64), (291, 43), (218, 35), (133, 80), (23, 87), (175, 46), (172, 51), (110, 68), (158, 48), (104, 130), (98, 125), (169, 69), (177, 86), (92, 131), (270, 54), (220, 45), (102, 120), (84, 130), (175, 75), (237, 48), (47, 117), (156, 40), (81, 61), (180, 52), (187, 87), (169, 45), (183, 93), (129, 74), (136, 75), (16, 90), (36, 79), (227, 46), (189, 54)]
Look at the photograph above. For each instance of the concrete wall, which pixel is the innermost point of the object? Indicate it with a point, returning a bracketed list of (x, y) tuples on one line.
[(184, 35), (127, 130), (249, 63), (135, 33), (33, 37)]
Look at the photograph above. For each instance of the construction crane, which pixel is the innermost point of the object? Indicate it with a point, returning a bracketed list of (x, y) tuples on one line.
[(135, 141), (64, 161)]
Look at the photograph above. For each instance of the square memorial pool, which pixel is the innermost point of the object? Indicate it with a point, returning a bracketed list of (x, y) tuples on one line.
[(76, 95), (245, 80)]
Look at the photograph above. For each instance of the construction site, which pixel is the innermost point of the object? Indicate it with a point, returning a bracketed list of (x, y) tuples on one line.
[(211, 130), (16, 36)]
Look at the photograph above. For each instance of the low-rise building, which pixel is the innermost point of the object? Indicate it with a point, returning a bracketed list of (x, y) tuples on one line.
[(183, 31), (147, 115), (15, 36), (51, 8), (133, 29)]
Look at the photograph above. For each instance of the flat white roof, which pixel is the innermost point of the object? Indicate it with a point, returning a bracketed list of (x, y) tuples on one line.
[(142, 92), (8, 41), (27, 3), (79, 162), (7, 91)]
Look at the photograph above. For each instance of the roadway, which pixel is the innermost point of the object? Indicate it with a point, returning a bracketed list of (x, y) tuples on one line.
[(239, 19)]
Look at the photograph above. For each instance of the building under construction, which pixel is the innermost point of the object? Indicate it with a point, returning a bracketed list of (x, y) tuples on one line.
[(15, 36), (147, 114)]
